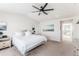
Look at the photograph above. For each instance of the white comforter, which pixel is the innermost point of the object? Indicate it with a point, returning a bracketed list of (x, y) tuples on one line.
[(26, 43)]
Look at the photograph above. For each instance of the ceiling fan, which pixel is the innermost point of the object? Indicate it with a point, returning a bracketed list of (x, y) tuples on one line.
[(42, 9)]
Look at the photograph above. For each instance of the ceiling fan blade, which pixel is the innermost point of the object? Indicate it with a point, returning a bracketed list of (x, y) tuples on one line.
[(48, 9), (45, 12), (45, 5), (34, 11), (36, 7)]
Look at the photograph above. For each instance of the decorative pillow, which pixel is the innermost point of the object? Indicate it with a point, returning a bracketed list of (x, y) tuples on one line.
[(27, 33)]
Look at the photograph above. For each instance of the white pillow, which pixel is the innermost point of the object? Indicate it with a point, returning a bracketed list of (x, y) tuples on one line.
[(27, 33), (19, 34)]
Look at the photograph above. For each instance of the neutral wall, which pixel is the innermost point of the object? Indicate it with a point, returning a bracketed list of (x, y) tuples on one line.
[(51, 35), (16, 22), (56, 35), (75, 28)]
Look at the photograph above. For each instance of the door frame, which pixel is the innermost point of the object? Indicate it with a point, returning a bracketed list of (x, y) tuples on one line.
[(61, 22)]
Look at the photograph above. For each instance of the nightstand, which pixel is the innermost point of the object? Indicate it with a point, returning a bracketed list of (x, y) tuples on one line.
[(5, 42)]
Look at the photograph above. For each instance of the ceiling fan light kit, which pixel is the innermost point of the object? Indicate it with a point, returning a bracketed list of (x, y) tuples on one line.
[(42, 9)]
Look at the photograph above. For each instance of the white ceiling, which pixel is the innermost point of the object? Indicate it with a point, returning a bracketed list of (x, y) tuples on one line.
[(61, 10)]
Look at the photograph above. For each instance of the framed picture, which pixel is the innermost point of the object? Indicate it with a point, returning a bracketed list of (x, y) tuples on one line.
[(3, 26), (48, 27)]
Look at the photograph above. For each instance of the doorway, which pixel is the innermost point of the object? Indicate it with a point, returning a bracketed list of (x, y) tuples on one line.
[(66, 30)]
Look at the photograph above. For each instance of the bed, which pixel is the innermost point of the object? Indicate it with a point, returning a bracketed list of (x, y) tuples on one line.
[(25, 43)]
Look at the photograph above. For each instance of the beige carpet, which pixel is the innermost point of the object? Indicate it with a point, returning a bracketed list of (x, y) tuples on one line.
[(48, 49)]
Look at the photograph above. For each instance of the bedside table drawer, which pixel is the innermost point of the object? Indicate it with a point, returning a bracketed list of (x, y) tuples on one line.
[(5, 44)]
